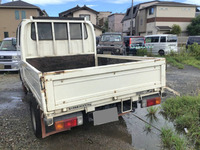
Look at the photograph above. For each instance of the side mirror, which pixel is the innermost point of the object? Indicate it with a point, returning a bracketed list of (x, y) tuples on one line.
[(14, 42)]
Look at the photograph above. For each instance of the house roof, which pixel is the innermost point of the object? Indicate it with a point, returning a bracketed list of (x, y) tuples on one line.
[(97, 27), (136, 7), (128, 13), (22, 5), (77, 8), (18, 4), (163, 28)]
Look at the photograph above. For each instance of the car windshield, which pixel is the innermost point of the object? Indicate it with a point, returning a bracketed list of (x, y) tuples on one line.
[(7, 45), (194, 39), (111, 38), (137, 40)]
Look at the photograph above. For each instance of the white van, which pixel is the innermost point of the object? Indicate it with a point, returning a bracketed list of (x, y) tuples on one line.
[(161, 44)]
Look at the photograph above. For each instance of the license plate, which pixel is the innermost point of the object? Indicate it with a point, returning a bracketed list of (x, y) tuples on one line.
[(105, 116), (106, 52), (1, 66)]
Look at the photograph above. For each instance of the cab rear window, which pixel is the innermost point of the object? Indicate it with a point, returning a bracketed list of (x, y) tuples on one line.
[(60, 30)]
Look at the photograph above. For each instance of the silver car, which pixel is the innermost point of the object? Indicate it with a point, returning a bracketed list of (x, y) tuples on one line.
[(9, 56)]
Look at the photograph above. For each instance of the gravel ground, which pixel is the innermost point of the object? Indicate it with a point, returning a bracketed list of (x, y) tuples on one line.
[(16, 130)]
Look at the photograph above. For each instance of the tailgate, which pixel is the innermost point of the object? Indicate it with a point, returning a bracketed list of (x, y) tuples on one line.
[(83, 86)]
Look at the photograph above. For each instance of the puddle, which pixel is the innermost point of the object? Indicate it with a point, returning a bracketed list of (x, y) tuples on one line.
[(8, 101), (141, 138)]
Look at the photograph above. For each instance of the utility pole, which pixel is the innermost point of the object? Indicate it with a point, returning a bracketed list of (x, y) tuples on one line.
[(131, 33)]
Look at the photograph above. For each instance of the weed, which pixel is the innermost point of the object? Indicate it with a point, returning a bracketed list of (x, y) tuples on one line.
[(142, 52), (152, 113), (171, 140), (185, 112), (190, 56), (148, 128)]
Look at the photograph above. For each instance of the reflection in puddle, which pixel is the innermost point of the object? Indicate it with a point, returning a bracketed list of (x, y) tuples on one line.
[(9, 102), (145, 136)]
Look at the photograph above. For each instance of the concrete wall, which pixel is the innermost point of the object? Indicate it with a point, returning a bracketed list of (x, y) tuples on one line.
[(142, 21), (8, 22), (114, 22), (97, 32), (93, 16), (183, 12), (126, 25)]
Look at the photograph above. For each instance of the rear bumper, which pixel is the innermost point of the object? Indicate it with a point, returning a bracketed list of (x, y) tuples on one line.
[(111, 50)]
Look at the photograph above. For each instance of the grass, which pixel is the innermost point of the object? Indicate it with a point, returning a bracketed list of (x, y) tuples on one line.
[(151, 115), (191, 57), (172, 141), (185, 113)]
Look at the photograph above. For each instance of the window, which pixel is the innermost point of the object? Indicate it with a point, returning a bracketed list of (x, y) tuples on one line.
[(163, 39), (141, 22), (151, 10), (76, 32), (60, 31), (152, 39), (6, 34), (85, 16), (171, 39), (44, 31), (23, 13), (16, 14)]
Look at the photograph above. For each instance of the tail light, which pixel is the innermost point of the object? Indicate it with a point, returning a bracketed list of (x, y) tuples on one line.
[(151, 102), (68, 123), (144, 41), (129, 42)]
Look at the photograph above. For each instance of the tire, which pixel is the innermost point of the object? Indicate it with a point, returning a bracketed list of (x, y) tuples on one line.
[(36, 119), (161, 52), (24, 89)]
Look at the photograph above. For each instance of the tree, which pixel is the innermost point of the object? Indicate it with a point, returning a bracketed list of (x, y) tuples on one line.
[(176, 29), (194, 27), (105, 27)]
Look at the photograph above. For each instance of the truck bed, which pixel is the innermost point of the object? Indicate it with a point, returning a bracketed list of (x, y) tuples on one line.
[(75, 83), (49, 64)]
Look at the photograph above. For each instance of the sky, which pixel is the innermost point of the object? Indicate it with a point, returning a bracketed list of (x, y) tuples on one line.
[(54, 7)]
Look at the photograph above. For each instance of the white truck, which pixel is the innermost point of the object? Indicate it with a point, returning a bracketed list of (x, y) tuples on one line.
[(71, 84)]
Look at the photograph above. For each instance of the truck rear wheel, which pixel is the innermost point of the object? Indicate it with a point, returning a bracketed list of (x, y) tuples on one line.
[(36, 119)]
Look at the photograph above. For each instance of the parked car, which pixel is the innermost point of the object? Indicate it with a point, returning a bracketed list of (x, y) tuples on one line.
[(193, 39), (161, 44), (111, 43), (9, 56), (97, 40), (133, 43)]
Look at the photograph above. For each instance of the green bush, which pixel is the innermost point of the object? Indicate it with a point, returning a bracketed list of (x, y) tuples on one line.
[(194, 50), (176, 29), (142, 52)]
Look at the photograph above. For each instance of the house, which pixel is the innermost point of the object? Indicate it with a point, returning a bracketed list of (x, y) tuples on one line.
[(158, 17), (12, 13), (126, 21), (84, 12), (103, 17), (114, 22)]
